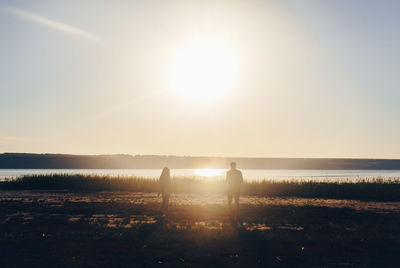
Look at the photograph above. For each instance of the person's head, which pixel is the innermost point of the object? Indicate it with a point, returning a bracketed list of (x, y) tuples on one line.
[(233, 165), (165, 171)]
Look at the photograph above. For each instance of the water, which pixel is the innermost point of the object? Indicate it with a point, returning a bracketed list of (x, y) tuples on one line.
[(249, 174)]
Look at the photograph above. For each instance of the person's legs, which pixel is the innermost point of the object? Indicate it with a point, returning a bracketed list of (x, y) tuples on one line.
[(167, 201), (163, 202), (237, 195), (229, 199), (165, 198)]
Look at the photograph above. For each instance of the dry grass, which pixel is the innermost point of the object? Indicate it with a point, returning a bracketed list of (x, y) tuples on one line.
[(374, 189), (126, 229)]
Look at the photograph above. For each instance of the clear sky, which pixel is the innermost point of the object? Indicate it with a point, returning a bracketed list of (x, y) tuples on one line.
[(271, 78)]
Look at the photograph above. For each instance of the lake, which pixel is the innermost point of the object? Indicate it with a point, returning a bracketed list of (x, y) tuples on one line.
[(249, 174)]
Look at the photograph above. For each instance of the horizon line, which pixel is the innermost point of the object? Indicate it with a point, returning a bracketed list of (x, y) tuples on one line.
[(202, 156)]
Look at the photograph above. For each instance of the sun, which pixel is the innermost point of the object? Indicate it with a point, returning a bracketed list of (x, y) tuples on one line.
[(203, 70)]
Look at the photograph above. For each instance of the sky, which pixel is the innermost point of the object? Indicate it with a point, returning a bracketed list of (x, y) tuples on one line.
[(283, 78)]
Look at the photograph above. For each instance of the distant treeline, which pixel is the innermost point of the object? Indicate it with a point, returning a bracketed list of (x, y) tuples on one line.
[(63, 161)]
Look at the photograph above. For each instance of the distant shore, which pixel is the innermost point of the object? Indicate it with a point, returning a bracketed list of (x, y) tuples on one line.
[(64, 161)]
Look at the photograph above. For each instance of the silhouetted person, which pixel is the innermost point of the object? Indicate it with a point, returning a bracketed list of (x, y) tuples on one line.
[(165, 180), (234, 178)]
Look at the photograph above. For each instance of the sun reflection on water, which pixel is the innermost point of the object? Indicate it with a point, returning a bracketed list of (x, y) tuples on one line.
[(209, 172)]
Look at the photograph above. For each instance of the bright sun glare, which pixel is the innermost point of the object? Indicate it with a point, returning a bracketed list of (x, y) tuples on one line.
[(203, 70), (209, 172)]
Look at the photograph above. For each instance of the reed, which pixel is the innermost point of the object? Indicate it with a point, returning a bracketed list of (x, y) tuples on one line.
[(373, 189)]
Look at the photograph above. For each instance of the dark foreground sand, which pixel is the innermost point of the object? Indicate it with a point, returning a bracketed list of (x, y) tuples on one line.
[(123, 229)]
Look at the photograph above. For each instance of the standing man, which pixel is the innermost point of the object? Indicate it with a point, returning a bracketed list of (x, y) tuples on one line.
[(234, 178)]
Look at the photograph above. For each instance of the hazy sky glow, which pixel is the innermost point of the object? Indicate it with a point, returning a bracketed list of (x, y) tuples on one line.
[(313, 78)]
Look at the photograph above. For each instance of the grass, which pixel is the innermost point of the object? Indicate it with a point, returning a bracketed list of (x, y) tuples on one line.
[(36, 231), (377, 189)]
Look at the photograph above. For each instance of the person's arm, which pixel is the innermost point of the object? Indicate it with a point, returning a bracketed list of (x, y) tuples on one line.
[(241, 177)]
